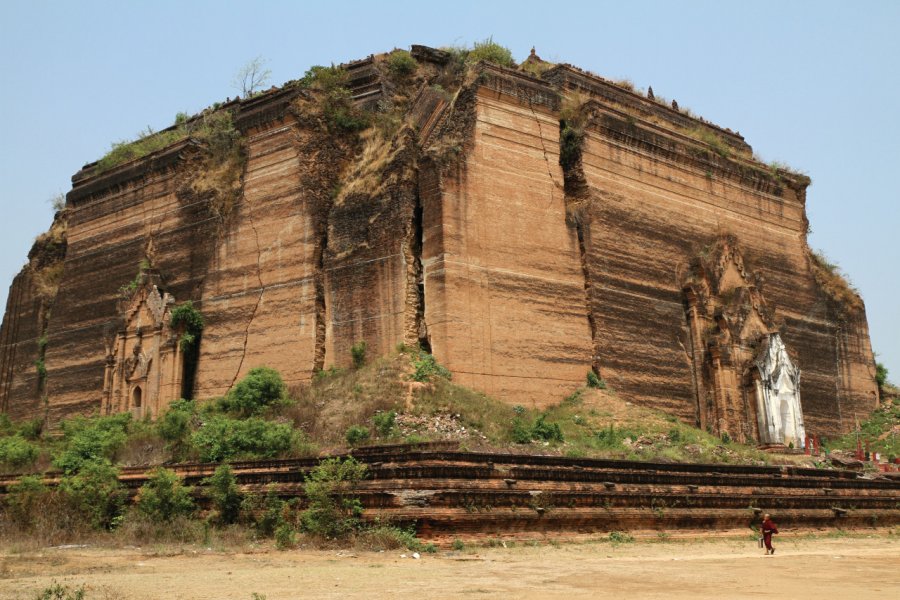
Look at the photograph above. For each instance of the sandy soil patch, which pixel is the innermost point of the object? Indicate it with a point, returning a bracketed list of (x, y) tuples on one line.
[(857, 567)]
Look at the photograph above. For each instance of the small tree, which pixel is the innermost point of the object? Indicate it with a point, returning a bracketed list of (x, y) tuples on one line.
[(358, 353), (175, 424), (252, 77), (96, 493), (357, 434), (222, 489), (260, 388), (881, 374), (163, 497), (221, 438), (93, 439), (17, 452), (57, 202), (332, 511), (385, 422)]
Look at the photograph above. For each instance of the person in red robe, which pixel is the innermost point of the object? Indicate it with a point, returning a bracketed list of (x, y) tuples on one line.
[(768, 529)]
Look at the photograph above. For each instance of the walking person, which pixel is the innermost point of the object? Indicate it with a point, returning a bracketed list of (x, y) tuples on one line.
[(768, 529)]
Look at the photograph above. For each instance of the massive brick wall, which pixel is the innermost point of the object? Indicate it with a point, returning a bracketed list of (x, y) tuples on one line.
[(19, 382), (461, 235), (258, 298), (114, 224), (504, 291)]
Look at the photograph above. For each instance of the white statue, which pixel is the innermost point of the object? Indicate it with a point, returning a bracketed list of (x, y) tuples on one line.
[(779, 414)]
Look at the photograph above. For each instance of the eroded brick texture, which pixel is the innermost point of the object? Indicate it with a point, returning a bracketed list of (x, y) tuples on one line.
[(661, 268)]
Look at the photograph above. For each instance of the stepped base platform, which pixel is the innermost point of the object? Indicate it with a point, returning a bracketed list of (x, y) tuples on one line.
[(444, 492)]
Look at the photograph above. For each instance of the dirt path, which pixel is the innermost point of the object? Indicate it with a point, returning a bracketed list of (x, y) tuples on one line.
[(847, 569)]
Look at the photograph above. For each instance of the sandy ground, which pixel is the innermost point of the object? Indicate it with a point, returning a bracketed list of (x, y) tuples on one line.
[(849, 568)]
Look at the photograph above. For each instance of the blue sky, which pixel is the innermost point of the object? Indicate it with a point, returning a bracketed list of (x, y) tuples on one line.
[(814, 84)]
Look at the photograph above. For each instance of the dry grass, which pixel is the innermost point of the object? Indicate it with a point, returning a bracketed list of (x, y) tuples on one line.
[(46, 280), (52, 521), (536, 67), (831, 281), (221, 181), (338, 399), (368, 175)]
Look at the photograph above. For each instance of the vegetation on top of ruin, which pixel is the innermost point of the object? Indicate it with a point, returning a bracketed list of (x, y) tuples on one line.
[(336, 102), (486, 50), (212, 127), (46, 257), (219, 179), (835, 285), (251, 78), (401, 63)]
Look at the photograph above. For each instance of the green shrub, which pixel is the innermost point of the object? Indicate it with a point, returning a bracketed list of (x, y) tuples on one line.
[(549, 432), (261, 387), (163, 497), (41, 368), (17, 452), (426, 367), (357, 434), (522, 433), (401, 63), (222, 438), (6, 425), (32, 429), (612, 438), (490, 51), (570, 140), (618, 537), (216, 130), (332, 512), (326, 79), (91, 439), (268, 513), (147, 142), (189, 321), (57, 591), (336, 102), (285, 536), (881, 374), (174, 425), (385, 422), (594, 381), (95, 492), (342, 114), (222, 490), (25, 498), (388, 537), (358, 353), (675, 436)]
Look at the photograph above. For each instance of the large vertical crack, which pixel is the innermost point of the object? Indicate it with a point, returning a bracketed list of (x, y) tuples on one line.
[(262, 291), (577, 201), (319, 278), (544, 150), (580, 226), (416, 330)]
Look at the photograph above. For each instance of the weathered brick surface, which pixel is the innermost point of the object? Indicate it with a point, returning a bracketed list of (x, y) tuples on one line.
[(464, 238)]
